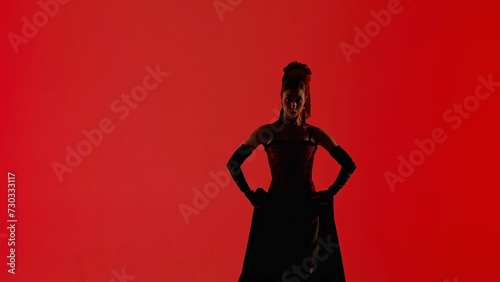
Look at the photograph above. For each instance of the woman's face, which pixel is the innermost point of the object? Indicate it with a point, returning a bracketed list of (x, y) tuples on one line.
[(293, 102)]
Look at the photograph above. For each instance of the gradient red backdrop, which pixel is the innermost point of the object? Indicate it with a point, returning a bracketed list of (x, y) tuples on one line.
[(379, 87)]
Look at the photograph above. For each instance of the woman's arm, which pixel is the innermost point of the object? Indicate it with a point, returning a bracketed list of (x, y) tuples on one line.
[(340, 155), (237, 159)]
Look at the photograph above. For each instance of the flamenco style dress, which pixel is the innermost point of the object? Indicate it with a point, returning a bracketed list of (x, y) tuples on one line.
[(292, 238)]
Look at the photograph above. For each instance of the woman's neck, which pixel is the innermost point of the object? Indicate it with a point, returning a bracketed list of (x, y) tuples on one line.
[(293, 121)]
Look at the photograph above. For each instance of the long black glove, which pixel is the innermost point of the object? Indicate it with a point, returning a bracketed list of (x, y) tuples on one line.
[(257, 198), (348, 167)]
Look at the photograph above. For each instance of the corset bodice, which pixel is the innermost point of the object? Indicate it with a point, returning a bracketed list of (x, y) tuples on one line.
[(291, 164)]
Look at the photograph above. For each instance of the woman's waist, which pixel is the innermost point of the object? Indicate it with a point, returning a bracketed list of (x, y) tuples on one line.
[(291, 186), (293, 180)]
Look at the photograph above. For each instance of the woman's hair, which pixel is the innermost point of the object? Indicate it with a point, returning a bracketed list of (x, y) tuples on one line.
[(293, 66), (294, 82)]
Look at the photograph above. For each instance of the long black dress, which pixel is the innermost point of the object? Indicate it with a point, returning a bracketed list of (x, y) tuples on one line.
[(292, 238)]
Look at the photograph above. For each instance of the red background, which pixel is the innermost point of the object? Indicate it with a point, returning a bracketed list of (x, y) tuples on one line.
[(119, 208)]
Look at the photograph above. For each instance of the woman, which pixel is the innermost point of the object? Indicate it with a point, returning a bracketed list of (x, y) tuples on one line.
[(293, 235)]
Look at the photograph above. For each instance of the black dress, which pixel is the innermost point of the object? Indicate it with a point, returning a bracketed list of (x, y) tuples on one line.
[(292, 238)]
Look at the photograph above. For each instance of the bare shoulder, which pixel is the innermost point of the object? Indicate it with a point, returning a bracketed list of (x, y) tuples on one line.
[(323, 138), (259, 136)]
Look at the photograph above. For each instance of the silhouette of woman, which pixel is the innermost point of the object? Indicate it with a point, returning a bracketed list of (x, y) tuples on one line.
[(293, 236)]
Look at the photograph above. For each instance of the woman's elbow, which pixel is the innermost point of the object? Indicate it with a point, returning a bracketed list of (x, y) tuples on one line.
[(232, 165), (351, 166)]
